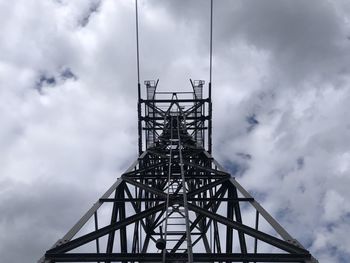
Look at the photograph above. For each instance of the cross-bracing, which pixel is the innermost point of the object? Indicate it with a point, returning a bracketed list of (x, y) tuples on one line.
[(176, 203)]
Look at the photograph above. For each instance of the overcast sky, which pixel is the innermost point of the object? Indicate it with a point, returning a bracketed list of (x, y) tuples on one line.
[(281, 91)]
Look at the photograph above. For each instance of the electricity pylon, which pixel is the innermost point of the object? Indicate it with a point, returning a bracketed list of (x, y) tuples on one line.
[(176, 203)]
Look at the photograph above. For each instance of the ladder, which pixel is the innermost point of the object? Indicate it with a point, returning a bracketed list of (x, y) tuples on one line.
[(176, 223)]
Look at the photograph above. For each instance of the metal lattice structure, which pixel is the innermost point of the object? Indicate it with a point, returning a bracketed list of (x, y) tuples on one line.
[(176, 203)]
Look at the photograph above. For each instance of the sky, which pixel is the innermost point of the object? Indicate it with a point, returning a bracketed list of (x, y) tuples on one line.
[(281, 77)]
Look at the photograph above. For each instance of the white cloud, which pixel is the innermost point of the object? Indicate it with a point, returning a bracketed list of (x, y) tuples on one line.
[(284, 64)]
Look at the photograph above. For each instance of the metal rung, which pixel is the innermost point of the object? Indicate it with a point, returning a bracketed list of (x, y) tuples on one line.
[(179, 210)]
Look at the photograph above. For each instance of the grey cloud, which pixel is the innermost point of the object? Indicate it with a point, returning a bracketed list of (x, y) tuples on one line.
[(93, 8), (67, 73), (284, 61), (44, 214), (304, 40)]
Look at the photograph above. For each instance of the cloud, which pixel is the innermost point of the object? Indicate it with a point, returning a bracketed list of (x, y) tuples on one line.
[(280, 88)]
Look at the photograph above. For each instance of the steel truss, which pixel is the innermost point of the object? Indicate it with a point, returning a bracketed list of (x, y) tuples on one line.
[(176, 203)]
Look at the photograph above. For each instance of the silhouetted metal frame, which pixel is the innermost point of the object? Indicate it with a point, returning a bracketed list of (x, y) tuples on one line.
[(208, 184)]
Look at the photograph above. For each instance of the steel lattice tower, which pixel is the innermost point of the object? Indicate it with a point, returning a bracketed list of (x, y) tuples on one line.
[(176, 203)]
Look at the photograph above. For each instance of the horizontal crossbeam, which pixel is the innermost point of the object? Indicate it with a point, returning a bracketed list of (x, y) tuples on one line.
[(176, 100), (177, 257), (223, 199)]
